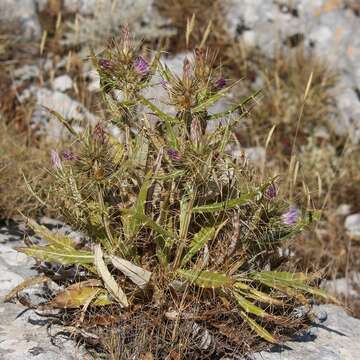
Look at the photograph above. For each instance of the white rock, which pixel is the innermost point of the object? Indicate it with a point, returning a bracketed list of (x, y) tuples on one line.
[(343, 209), (336, 338), (324, 27), (346, 287), (255, 154), (14, 258), (70, 109), (352, 225), (62, 83), (83, 7), (21, 14), (8, 280)]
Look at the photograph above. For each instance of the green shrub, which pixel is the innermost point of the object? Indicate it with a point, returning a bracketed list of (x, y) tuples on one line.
[(175, 225)]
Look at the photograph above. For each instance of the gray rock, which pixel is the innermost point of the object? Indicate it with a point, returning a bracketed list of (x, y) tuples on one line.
[(25, 334), (352, 225), (326, 29), (62, 83), (21, 15), (69, 108), (347, 287), (83, 7), (336, 338)]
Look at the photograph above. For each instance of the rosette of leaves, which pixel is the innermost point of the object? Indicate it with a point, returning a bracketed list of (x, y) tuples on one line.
[(173, 221)]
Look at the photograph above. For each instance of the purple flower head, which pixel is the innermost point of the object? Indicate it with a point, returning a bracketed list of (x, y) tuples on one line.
[(271, 192), (55, 159), (174, 154), (141, 66), (220, 83), (106, 64), (290, 217), (68, 155)]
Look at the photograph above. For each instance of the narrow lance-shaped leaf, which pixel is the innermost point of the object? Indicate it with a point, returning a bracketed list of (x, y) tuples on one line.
[(206, 279), (263, 333), (225, 205), (51, 237), (58, 255), (249, 307), (109, 281), (136, 274), (199, 241)]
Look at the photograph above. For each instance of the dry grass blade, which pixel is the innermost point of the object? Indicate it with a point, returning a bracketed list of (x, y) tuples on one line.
[(109, 281)]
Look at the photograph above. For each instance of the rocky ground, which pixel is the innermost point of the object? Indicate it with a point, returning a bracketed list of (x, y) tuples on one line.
[(329, 29)]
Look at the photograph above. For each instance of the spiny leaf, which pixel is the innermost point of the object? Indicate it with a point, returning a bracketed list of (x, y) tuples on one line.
[(131, 218), (57, 255), (198, 242), (136, 274), (206, 279), (225, 205), (249, 307), (263, 333), (257, 295), (51, 237), (109, 281)]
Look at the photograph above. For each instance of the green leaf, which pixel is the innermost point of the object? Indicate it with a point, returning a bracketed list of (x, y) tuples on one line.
[(225, 205), (257, 295), (263, 333), (198, 242), (249, 307), (206, 279), (131, 217), (57, 239), (285, 281), (51, 253)]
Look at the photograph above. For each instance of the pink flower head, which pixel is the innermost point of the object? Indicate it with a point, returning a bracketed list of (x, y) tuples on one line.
[(174, 154), (141, 66), (55, 159), (68, 155), (290, 217)]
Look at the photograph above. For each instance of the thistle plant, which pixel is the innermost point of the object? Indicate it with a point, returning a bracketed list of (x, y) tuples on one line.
[(175, 226)]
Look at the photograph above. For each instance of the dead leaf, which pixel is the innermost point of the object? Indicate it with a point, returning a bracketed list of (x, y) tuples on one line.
[(136, 274), (109, 281)]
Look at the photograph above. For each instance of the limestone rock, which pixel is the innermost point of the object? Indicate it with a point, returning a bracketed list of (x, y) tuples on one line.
[(336, 338), (352, 225), (22, 15)]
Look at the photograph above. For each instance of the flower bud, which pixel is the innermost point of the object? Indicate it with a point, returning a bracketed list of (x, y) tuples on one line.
[(55, 159), (174, 154)]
